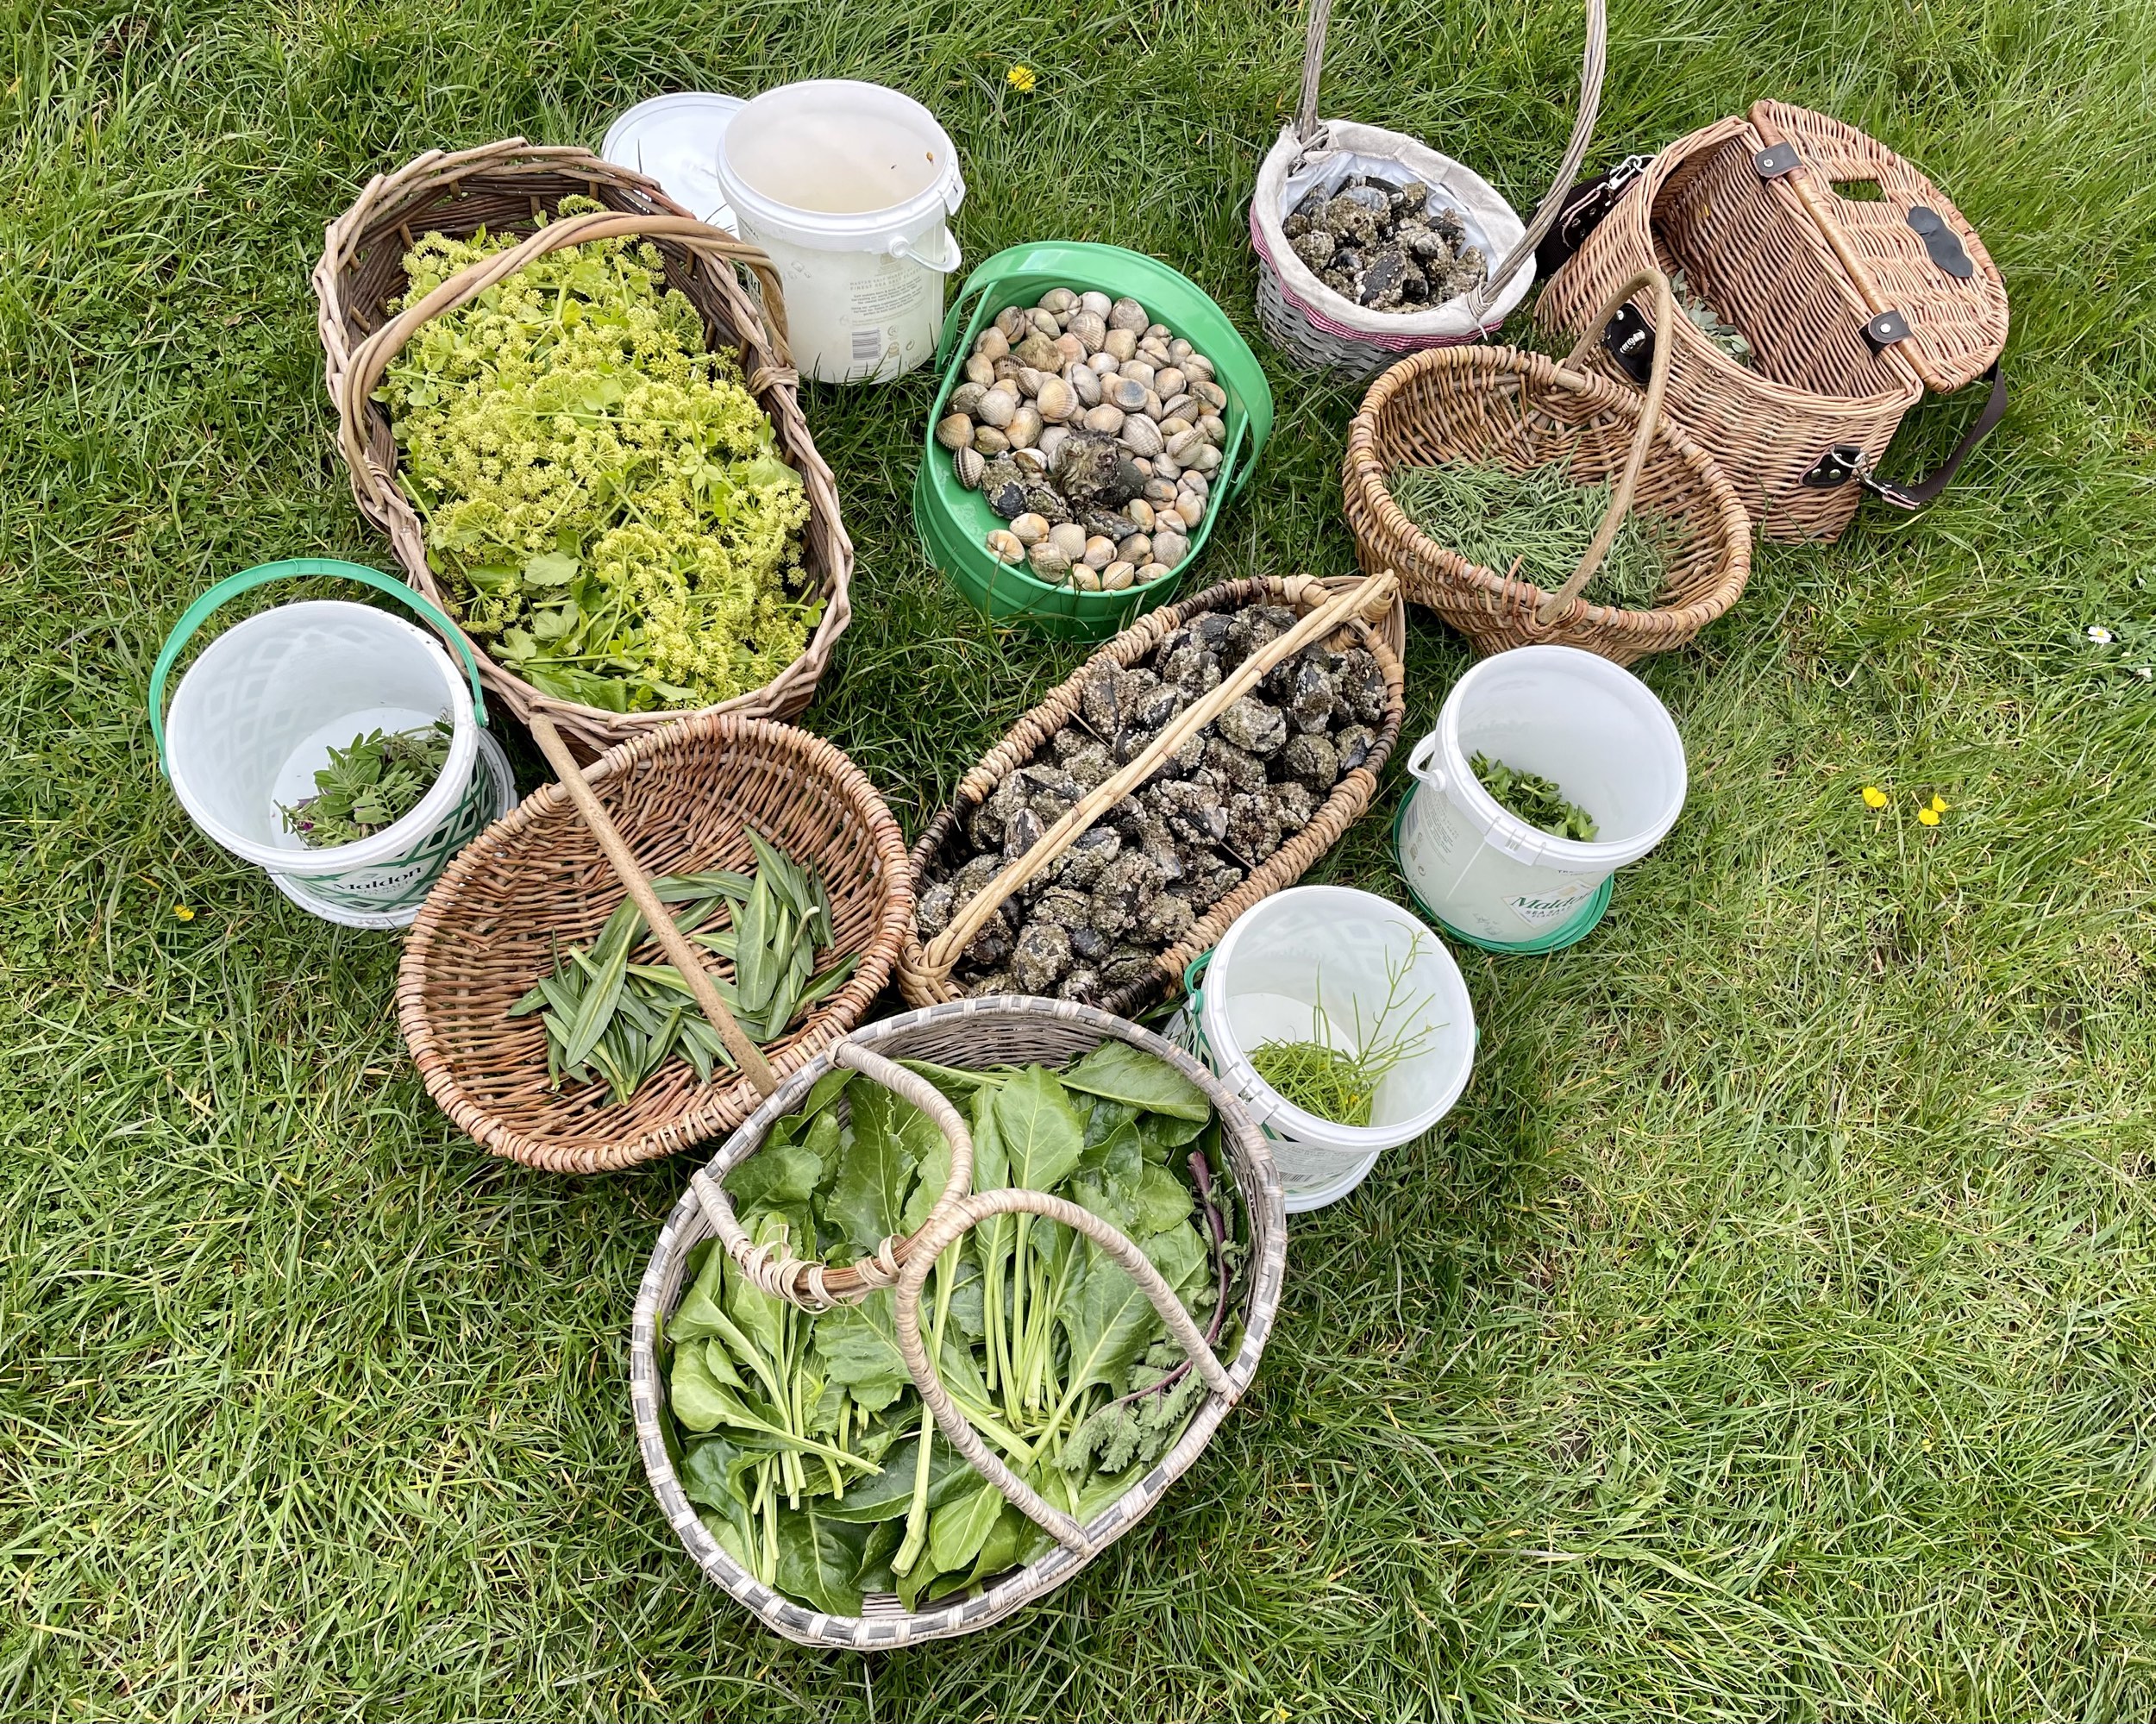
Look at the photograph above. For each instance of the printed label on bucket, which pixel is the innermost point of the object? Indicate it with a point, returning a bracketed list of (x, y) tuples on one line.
[(1537, 908)]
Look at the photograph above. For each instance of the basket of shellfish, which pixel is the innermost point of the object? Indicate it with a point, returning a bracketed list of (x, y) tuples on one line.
[(1097, 414), (1202, 760)]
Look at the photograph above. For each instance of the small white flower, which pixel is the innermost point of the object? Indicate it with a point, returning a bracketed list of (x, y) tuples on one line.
[(2099, 634), (2145, 672)]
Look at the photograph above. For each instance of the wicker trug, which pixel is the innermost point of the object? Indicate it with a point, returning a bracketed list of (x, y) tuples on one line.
[(507, 188)]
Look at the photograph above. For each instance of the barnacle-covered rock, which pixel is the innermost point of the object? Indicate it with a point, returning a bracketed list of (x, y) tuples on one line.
[(1087, 943), (1195, 812), (1291, 804), (1190, 667), (1042, 500), (1251, 630), (1041, 957), (1085, 759), (1360, 687), (1310, 704), (1063, 904), (1206, 887), (1089, 467), (992, 945), (1314, 246), (1127, 964), (1211, 631), (1166, 919), (1127, 885), (931, 915), (1311, 760), (1232, 767), (1349, 218), (974, 875), (1253, 832), (1081, 985), (1088, 858), (1021, 832), (993, 982), (1354, 743), (1252, 726)]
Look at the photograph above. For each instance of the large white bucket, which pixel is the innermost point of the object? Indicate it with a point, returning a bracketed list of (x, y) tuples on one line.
[(258, 711), (1572, 717), (1314, 963), (848, 186)]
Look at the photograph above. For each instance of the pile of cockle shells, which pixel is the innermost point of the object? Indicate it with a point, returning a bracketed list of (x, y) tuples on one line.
[(1131, 884), (1383, 246), (1093, 431)]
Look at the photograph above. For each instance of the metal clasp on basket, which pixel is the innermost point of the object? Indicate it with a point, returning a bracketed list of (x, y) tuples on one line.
[(1846, 461)]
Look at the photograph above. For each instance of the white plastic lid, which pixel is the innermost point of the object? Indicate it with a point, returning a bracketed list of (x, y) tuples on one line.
[(674, 140)]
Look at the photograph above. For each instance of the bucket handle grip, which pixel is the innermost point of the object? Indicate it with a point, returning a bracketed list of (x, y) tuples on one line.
[(293, 568), (945, 262), (1418, 762)]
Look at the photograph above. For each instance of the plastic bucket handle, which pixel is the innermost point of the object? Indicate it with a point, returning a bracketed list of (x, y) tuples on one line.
[(1421, 763), (1257, 1095), (291, 569), (945, 263)]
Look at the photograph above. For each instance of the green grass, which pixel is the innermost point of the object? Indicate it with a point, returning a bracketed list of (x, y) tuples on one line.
[(1770, 1332)]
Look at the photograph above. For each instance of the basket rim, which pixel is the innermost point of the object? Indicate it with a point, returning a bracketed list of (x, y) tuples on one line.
[(546, 813), (1348, 800), (686, 1225), (378, 206), (1364, 473)]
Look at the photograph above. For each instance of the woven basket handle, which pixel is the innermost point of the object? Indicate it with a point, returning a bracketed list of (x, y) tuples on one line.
[(816, 1286), (1643, 435), (356, 387), (1369, 596), (941, 1231)]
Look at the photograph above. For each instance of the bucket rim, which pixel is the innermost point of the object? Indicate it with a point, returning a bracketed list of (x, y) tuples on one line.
[(1305, 1127)]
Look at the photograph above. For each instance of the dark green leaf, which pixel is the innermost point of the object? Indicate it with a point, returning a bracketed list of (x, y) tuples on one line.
[(958, 1529), (890, 1493), (818, 1558), (867, 1196), (1039, 1131), (1120, 1072)]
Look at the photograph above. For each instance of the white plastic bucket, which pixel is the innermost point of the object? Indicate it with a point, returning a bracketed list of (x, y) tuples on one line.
[(1573, 716), (848, 187), (257, 712), (1313, 962)]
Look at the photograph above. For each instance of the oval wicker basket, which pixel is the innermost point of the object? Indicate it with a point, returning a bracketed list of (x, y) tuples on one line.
[(538, 880), (1523, 410), (924, 984), (975, 1034), (506, 187)]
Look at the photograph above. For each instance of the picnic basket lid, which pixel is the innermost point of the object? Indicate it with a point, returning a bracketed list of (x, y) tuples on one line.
[(1911, 255)]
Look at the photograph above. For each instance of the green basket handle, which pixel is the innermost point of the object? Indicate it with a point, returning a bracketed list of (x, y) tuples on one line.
[(291, 569)]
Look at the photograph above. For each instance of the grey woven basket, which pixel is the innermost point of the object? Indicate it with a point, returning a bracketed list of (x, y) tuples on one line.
[(1002, 1030)]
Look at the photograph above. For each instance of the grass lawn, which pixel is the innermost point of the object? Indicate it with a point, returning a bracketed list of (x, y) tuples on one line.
[(1770, 1332)]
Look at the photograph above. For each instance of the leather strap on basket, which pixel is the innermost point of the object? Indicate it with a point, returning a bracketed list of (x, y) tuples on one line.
[(816, 1286), (1845, 461), (1368, 597), (1642, 437), (1593, 62), (943, 1229), (722, 250)]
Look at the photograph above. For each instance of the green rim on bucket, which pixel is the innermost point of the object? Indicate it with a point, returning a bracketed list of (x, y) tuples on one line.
[(952, 522), (293, 568), (1570, 932)]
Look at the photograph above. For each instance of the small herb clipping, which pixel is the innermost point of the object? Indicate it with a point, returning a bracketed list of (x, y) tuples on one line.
[(1535, 800), (1340, 1083), (1490, 516), (1711, 323), (372, 784), (809, 1455), (609, 1017)]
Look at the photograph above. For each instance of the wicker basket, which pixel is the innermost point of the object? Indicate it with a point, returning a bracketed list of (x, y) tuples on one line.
[(538, 881), (976, 1034), (1321, 329), (1852, 309), (1523, 410), (925, 976), (507, 187)]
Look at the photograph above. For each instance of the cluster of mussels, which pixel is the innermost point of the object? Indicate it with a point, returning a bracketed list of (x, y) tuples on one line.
[(1093, 431), (1383, 247), (1132, 883)]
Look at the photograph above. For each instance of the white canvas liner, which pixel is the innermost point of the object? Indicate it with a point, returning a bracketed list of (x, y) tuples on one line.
[(1343, 149)]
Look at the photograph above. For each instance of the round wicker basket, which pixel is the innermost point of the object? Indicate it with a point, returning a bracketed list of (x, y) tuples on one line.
[(1522, 410), (974, 1034), (538, 881), (507, 187)]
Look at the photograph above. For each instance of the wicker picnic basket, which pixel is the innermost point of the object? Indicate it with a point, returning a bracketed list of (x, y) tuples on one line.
[(1852, 308), (924, 972), (1320, 329), (974, 1034), (538, 881), (1522, 410), (509, 187)]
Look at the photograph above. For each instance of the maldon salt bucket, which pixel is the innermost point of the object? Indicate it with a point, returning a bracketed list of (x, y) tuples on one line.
[(1322, 962), (256, 714), (1590, 726), (848, 187)]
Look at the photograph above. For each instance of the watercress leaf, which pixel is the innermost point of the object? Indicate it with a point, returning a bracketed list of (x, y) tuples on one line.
[(1039, 1130), (1120, 1072), (818, 1558), (958, 1529)]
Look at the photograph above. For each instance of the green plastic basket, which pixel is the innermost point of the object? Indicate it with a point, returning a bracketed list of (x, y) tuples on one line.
[(953, 522)]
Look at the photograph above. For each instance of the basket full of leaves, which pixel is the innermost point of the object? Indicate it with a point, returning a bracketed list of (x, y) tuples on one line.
[(949, 1314), (583, 436), (1527, 501)]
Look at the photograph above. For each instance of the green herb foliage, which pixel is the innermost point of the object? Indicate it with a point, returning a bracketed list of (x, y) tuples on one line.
[(604, 498), (1490, 515), (610, 1018), (1535, 800), (1340, 1083), (372, 784), (804, 1444)]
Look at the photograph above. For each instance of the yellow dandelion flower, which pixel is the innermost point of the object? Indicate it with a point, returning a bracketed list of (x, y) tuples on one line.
[(182, 912), (1874, 797), (1021, 79), (1938, 805), (1928, 817)]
